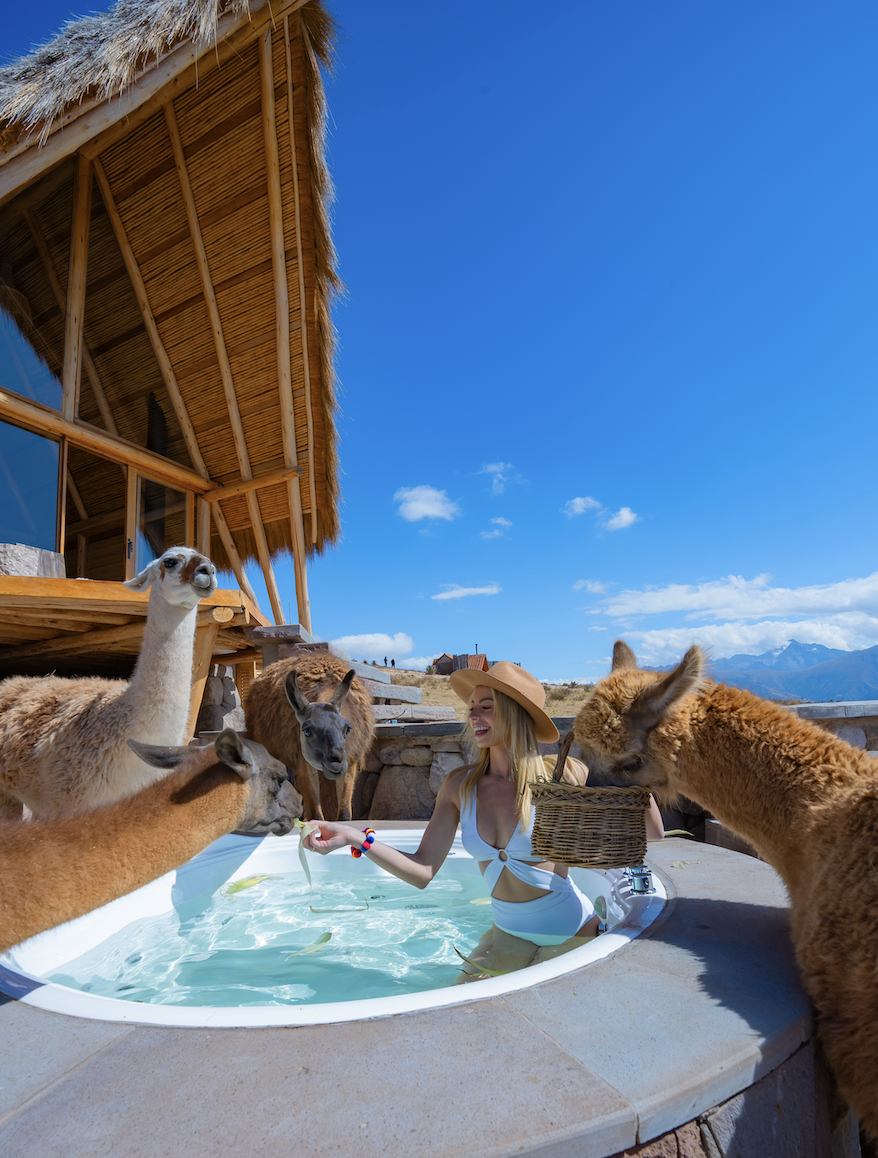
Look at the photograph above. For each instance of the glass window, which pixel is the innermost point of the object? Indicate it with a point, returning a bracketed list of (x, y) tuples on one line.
[(28, 488), (161, 521)]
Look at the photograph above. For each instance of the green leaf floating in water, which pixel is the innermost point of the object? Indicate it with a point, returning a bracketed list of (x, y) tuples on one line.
[(312, 948), (481, 901), (481, 968), (245, 883)]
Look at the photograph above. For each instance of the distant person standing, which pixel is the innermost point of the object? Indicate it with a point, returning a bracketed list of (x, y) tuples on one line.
[(393, 663), (385, 661)]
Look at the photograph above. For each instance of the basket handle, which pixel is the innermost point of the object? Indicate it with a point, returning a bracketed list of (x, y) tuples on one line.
[(563, 751)]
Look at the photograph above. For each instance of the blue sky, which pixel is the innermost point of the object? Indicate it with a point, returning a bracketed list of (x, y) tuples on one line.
[(608, 351)]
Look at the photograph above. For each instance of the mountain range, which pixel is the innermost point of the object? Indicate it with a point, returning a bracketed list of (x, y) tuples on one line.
[(801, 671)]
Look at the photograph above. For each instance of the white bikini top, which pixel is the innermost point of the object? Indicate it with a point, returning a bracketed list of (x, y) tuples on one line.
[(514, 855)]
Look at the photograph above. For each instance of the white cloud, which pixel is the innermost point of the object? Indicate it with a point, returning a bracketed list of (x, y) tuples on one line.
[(425, 503), (419, 662), (599, 629), (375, 645), (454, 591), (734, 597), (846, 632), (623, 518), (503, 524), (591, 585), (574, 507), (501, 474)]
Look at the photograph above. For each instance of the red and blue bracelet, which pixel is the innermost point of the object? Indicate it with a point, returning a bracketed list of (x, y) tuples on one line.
[(369, 834)]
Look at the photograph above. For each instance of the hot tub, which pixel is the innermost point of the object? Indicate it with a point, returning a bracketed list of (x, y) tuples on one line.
[(25, 971)]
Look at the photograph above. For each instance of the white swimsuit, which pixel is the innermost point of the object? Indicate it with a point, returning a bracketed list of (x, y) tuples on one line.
[(548, 920)]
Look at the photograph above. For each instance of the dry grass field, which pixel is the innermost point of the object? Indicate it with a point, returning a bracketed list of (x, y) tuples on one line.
[(561, 699)]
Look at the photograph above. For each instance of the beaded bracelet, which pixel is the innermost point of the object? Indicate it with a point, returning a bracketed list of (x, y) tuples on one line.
[(369, 834)]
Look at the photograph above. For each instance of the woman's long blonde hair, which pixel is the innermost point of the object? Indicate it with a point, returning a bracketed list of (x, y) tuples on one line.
[(516, 731)]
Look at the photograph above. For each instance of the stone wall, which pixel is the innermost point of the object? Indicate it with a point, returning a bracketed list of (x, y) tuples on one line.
[(220, 704)]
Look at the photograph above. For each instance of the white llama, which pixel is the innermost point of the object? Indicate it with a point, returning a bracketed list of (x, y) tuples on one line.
[(64, 742)]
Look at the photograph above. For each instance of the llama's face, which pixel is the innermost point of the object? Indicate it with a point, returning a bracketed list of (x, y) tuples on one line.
[(323, 734), (182, 575), (323, 730), (616, 725)]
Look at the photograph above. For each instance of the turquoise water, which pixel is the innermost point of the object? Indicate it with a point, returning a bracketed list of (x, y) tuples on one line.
[(246, 947)]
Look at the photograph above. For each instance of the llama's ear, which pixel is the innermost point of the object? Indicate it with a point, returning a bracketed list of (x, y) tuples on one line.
[(142, 581), (235, 754), (624, 658), (158, 755), (654, 702), (297, 701), (341, 692)]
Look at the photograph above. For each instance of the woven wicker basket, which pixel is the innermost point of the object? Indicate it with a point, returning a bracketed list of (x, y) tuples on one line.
[(588, 827)]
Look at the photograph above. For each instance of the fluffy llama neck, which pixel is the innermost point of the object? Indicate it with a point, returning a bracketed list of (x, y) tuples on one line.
[(157, 696), (760, 770)]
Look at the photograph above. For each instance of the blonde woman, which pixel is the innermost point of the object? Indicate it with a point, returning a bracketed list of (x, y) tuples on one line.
[(534, 902)]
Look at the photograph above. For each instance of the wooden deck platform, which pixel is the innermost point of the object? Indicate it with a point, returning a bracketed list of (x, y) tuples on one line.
[(86, 627)]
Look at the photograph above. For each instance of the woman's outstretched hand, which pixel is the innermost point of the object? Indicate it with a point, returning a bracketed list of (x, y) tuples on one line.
[(330, 836)]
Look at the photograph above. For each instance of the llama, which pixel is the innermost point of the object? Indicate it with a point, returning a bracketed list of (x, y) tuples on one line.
[(58, 869), (330, 728), (63, 741), (805, 800)]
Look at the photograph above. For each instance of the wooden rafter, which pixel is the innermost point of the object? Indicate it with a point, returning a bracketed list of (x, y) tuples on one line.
[(224, 365), (167, 371), (87, 359), (303, 311), (253, 484), (282, 325), (75, 303)]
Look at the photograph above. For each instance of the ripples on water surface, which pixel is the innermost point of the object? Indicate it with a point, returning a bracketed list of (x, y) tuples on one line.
[(245, 947)]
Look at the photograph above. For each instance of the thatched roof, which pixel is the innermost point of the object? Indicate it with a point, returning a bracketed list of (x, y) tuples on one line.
[(192, 278)]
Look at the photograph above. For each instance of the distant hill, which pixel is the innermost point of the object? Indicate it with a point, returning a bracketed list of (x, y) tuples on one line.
[(802, 671)]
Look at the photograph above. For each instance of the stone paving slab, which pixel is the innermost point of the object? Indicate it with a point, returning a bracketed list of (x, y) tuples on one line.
[(39, 1048), (475, 1080)]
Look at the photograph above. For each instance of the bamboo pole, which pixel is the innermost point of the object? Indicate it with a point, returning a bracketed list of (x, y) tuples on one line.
[(223, 359), (202, 532), (168, 376), (190, 519), (87, 359), (303, 309), (282, 323), (131, 505), (75, 311), (43, 420), (139, 287), (61, 506)]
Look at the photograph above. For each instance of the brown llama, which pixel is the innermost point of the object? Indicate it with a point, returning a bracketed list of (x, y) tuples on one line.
[(313, 713), (805, 800), (55, 870)]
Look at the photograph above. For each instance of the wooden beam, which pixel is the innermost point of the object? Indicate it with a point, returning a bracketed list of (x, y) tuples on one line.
[(252, 484), (84, 642), (44, 420), (303, 308), (95, 125), (75, 495), (223, 359), (75, 311), (139, 287), (205, 637), (190, 519), (282, 319), (132, 495), (87, 359)]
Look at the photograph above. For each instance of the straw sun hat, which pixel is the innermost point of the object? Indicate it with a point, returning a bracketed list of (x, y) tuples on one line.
[(516, 683)]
